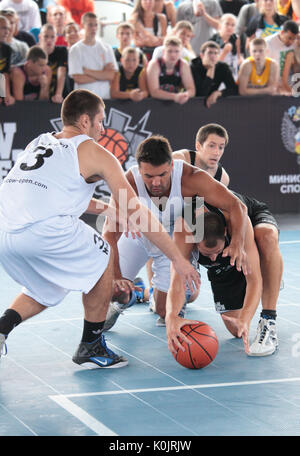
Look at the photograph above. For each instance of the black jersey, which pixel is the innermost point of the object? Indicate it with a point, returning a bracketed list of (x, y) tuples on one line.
[(170, 82), (219, 171), (133, 82)]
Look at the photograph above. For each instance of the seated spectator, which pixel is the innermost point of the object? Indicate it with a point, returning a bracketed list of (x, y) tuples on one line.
[(125, 32), (76, 9), (168, 9), (92, 62), (57, 61), (281, 43), (170, 77), (211, 75), (267, 22), (130, 82), (204, 16), (5, 56), (150, 28), (229, 43), (28, 12), (259, 74), (247, 12), (291, 67), (32, 80), (57, 16), (71, 33), (232, 6), (21, 35), (184, 31), (19, 48)]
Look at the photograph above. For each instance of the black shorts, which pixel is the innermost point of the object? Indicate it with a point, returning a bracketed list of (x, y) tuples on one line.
[(228, 289), (258, 211)]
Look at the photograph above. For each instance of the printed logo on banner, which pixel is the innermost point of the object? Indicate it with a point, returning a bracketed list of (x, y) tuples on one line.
[(120, 138), (290, 135), (8, 155)]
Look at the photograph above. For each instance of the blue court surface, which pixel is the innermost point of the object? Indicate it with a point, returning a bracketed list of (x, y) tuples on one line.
[(43, 393)]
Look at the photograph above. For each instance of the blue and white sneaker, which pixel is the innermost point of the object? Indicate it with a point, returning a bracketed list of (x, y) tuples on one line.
[(140, 295), (3, 348), (266, 340), (97, 352), (115, 309)]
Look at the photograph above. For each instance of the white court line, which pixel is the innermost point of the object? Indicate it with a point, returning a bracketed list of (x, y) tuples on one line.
[(289, 242), (95, 425), (176, 388)]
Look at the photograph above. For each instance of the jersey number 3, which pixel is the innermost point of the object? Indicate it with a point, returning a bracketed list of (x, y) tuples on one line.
[(39, 158)]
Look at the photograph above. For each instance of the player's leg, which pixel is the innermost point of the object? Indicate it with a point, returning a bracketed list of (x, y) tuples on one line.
[(132, 257), (92, 347), (232, 328), (266, 237)]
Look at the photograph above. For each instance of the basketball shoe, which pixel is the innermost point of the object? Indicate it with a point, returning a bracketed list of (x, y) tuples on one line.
[(97, 352), (266, 341), (115, 309), (3, 348)]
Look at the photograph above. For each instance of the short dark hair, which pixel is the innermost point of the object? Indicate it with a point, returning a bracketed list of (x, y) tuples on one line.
[(155, 150), (88, 15), (214, 229), (209, 44), (78, 102), (35, 53), (211, 129), (290, 26)]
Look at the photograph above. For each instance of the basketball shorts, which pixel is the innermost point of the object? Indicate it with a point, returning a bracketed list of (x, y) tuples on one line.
[(134, 254), (228, 292), (259, 212), (52, 257)]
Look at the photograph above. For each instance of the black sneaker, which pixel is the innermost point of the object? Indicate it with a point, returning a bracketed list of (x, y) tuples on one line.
[(97, 352)]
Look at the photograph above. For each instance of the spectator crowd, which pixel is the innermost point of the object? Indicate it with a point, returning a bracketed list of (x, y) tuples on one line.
[(166, 50)]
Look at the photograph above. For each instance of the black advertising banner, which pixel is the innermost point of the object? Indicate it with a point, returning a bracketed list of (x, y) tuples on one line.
[(262, 157)]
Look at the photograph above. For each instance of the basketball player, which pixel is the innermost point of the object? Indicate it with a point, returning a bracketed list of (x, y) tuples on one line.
[(210, 143), (236, 296), (44, 245), (162, 183)]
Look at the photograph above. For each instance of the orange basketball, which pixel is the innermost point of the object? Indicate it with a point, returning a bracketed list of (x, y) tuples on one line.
[(115, 143), (203, 349)]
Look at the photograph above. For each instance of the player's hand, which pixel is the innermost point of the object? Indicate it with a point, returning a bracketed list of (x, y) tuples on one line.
[(242, 329), (122, 288), (238, 257), (173, 329), (187, 272)]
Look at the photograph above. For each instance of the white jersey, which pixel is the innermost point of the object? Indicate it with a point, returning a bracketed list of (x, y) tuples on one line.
[(45, 182)]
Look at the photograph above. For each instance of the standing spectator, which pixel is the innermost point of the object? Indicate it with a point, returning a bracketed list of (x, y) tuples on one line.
[(184, 31), (170, 77), (168, 9), (56, 15), (230, 43), (71, 33), (232, 6), (210, 75), (57, 61), (19, 48), (32, 80), (204, 16), (267, 22), (125, 32), (259, 74), (21, 35), (285, 8), (5, 56), (28, 13), (76, 9), (150, 28), (130, 82), (281, 43), (92, 63)]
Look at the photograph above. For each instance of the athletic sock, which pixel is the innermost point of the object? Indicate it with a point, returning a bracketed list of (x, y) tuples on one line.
[(91, 331), (9, 320), (268, 314)]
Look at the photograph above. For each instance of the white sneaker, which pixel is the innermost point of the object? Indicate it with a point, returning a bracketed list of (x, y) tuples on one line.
[(3, 349), (160, 321), (152, 304), (265, 342)]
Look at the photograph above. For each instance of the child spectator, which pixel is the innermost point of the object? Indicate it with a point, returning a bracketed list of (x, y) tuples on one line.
[(184, 31), (170, 77), (130, 81), (32, 80), (125, 32)]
